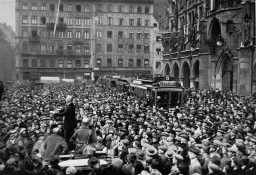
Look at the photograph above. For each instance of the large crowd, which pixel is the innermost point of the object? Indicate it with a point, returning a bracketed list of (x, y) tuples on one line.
[(212, 134)]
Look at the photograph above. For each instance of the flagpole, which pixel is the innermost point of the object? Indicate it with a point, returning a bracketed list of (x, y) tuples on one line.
[(56, 20)]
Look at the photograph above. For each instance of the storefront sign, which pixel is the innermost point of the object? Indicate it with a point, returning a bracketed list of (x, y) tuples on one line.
[(167, 83)]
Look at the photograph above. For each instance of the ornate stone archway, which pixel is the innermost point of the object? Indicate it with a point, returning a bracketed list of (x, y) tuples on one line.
[(176, 71)]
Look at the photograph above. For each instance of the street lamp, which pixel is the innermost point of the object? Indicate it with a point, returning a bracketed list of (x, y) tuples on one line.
[(220, 41)]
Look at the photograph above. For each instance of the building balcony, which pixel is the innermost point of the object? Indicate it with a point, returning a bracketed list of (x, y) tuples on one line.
[(61, 26), (78, 41), (34, 39)]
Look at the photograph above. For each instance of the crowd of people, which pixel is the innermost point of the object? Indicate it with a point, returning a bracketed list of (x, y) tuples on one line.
[(212, 134)]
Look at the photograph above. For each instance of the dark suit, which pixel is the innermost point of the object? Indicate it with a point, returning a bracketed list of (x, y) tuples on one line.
[(69, 121)]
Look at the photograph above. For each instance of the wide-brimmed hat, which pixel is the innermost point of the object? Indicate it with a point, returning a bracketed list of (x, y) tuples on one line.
[(151, 151), (169, 154), (131, 157), (140, 154)]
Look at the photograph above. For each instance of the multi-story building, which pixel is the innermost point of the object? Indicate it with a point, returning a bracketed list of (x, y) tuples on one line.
[(92, 38), (157, 48), (7, 53), (209, 44)]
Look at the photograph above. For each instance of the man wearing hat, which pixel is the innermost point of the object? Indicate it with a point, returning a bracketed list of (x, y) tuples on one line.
[(54, 144), (195, 166), (84, 136), (69, 119)]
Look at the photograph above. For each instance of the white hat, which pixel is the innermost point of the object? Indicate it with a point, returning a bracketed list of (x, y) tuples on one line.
[(69, 98), (71, 170), (86, 120)]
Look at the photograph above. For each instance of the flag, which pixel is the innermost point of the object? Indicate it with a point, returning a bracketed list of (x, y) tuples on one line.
[(56, 20)]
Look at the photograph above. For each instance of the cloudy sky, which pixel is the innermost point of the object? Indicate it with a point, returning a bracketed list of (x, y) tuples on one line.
[(7, 12)]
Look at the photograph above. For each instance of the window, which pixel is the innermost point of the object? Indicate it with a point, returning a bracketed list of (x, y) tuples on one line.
[(110, 8), (131, 35), (69, 49), (34, 48), (52, 20), (70, 8), (61, 34), (43, 47), (120, 34), (138, 48), (99, 47), (61, 63), (61, 20), (69, 34), (130, 63), (69, 63), (139, 36), (61, 8), (155, 25), (99, 20), (146, 49), (158, 65), (52, 63), (138, 62), (52, 7), (99, 8), (43, 63), (109, 47), (34, 63), (34, 6), (120, 21), (43, 6), (78, 35), (25, 62), (86, 63), (69, 21), (120, 8), (131, 9), (146, 35), (78, 63), (98, 62), (139, 23), (78, 21), (120, 47), (87, 35), (78, 49), (51, 48), (86, 21), (146, 22), (109, 62), (131, 48), (110, 21), (43, 20), (158, 51), (60, 50), (34, 33), (87, 48), (78, 8), (24, 6), (33, 20), (201, 12), (146, 63), (109, 34), (139, 9), (25, 33), (86, 8), (147, 9), (99, 34), (131, 22), (120, 62)]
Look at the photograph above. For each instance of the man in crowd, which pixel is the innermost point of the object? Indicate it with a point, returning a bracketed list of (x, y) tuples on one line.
[(69, 122)]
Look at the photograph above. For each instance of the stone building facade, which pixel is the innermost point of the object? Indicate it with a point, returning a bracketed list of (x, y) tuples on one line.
[(209, 44), (93, 38)]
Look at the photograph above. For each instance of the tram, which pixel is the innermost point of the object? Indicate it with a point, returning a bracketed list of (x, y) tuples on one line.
[(109, 81), (162, 91), (123, 84)]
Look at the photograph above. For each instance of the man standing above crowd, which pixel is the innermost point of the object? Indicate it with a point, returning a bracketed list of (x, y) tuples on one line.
[(69, 122)]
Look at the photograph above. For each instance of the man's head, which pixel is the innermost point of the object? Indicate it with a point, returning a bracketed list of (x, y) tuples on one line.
[(69, 99)]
